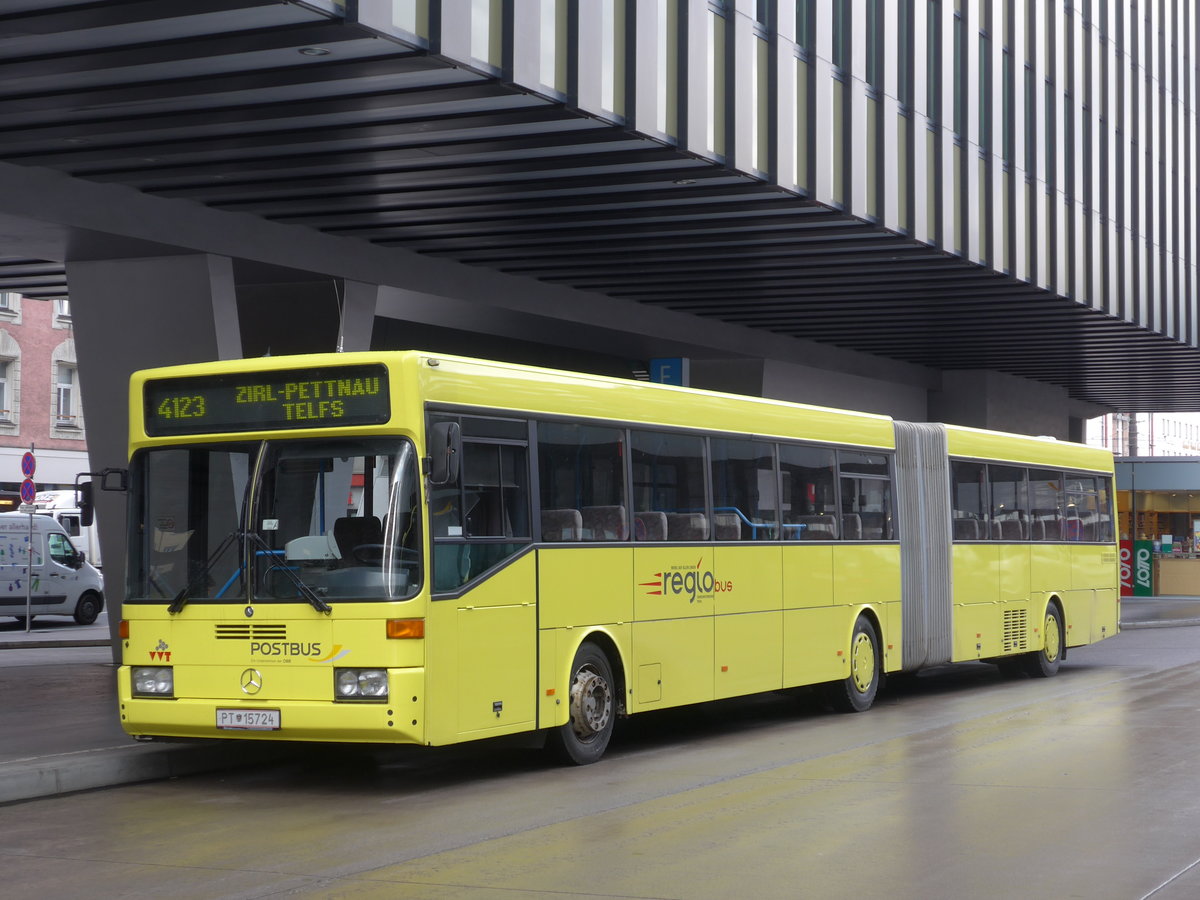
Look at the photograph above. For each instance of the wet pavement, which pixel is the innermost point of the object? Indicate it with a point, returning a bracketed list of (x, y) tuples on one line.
[(60, 730)]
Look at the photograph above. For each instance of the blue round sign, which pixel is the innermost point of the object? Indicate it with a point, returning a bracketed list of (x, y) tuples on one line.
[(28, 491), (28, 464)]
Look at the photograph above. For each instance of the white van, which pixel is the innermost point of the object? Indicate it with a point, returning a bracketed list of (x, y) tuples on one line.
[(63, 582)]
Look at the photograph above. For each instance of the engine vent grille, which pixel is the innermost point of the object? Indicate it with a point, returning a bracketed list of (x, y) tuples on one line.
[(1016, 630), (248, 631)]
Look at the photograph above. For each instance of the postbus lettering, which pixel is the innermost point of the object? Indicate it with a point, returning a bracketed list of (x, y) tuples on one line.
[(284, 648)]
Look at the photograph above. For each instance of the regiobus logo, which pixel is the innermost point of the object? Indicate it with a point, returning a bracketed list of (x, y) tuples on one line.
[(694, 582)]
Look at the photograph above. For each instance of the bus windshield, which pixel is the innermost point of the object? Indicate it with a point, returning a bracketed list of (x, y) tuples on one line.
[(283, 521)]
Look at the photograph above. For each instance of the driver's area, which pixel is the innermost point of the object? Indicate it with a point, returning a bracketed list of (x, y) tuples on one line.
[(338, 518)]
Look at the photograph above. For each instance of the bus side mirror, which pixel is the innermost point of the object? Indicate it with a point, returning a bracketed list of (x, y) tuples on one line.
[(445, 449), (110, 480), (87, 509)]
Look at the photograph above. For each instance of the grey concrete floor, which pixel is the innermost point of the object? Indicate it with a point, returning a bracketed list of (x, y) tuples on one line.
[(958, 784)]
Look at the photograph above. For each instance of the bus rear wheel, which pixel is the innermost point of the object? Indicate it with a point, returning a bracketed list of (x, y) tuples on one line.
[(592, 711), (1045, 662), (857, 692)]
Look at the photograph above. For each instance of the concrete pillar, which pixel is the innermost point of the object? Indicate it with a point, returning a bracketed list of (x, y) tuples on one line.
[(359, 302), (994, 400), (132, 314)]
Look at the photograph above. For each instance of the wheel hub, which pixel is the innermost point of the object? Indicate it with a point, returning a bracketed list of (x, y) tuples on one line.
[(591, 703), (862, 662), (1053, 638)]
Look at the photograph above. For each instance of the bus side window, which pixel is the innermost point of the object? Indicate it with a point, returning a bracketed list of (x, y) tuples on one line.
[(483, 518), (1048, 505), (809, 507), (668, 477), (866, 495), (745, 497), (581, 473)]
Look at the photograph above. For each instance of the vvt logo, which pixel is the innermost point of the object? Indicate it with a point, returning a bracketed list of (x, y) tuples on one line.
[(694, 582)]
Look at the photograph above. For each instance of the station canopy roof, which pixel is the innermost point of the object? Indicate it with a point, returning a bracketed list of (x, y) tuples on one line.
[(225, 103)]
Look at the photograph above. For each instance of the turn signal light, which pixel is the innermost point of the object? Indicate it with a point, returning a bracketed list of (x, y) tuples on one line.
[(123, 630), (400, 629)]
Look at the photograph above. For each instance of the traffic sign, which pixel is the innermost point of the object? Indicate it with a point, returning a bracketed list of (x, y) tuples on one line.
[(28, 464), (28, 491)]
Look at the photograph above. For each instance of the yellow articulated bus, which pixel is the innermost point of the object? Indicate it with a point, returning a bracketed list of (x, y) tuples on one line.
[(414, 548)]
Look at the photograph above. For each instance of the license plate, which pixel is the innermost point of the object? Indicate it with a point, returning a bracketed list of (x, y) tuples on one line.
[(248, 719)]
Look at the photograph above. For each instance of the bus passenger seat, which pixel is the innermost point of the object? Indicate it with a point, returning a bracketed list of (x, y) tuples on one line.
[(852, 527), (1011, 530), (605, 523), (687, 527), (966, 530), (650, 525), (816, 528), (727, 527), (561, 525)]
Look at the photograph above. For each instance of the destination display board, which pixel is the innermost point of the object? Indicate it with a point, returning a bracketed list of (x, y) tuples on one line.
[(324, 397)]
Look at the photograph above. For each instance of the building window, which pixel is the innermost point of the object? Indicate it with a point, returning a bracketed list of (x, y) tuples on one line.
[(874, 51), (5, 392), (62, 308), (804, 25), (841, 34), (66, 413)]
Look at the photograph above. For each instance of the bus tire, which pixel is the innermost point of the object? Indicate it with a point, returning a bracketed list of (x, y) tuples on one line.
[(857, 692), (1045, 662), (592, 709), (87, 610)]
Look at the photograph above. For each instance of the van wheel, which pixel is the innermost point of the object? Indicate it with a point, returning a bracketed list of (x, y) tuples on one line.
[(87, 610)]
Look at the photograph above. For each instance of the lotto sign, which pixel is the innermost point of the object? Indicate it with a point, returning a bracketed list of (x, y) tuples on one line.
[(1143, 568), (1126, 568)]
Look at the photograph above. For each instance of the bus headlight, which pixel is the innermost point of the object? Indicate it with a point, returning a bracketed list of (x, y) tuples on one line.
[(360, 684), (153, 681)]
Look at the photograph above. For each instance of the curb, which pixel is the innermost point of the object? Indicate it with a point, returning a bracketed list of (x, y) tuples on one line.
[(65, 773), (1160, 623), (46, 645)]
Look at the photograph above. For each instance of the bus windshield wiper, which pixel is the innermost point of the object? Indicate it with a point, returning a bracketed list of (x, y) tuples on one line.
[(303, 589), (188, 589), (256, 541)]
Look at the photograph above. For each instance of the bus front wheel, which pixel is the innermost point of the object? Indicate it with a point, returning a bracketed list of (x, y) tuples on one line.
[(1045, 662), (857, 692), (592, 712)]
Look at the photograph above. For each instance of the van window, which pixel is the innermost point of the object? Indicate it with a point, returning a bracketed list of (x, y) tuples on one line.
[(61, 549)]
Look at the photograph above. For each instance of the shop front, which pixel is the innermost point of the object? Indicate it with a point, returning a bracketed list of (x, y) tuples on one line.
[(1158, 508)]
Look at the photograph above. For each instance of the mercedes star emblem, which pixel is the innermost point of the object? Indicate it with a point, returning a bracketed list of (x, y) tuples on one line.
[(251, 681)]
